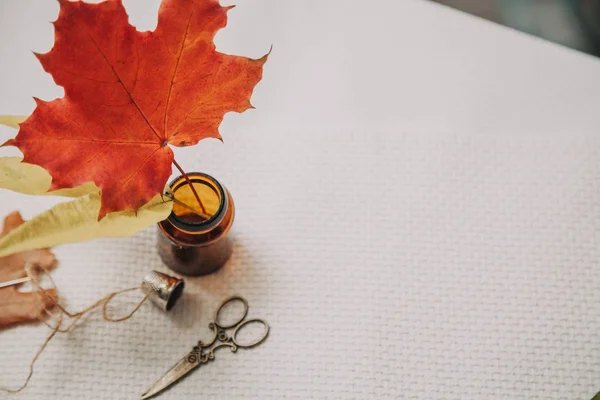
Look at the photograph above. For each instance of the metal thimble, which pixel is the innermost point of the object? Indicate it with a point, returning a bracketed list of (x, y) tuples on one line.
[(164, 290)]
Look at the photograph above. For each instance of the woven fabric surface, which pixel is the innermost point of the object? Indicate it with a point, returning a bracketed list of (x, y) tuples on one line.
[(417, 216)]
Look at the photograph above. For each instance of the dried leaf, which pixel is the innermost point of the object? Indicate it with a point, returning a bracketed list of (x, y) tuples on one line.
[(17, 307), (129, 95), (77, 221)]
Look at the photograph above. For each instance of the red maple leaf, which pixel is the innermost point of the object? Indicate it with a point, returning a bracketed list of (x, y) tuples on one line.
[(129, 95)]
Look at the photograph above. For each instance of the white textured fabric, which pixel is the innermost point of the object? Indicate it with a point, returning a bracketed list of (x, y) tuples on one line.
[(418, 205)]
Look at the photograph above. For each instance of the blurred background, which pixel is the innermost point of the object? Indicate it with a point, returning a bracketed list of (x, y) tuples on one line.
[(572, 23)]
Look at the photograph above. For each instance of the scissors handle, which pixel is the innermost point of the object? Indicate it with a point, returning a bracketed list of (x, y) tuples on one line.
[(254, 343), (221, 327), (223, 305)]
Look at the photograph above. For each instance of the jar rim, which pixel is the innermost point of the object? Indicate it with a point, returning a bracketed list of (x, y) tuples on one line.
[(214, 220)]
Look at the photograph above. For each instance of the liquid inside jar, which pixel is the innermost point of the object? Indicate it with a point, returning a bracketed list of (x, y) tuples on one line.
[(187, 207)]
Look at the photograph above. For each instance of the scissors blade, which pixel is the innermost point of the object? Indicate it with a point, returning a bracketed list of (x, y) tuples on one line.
[(179, 370)]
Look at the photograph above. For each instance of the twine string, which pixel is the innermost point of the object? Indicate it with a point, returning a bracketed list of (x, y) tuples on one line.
[(59, 317)]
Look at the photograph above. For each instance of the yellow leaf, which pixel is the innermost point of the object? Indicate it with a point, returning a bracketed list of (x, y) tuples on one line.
[(12, 120), (32, 179), (77, 221)]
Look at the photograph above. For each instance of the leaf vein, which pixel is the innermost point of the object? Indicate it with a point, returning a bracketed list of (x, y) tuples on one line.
[(124, 87), (122, 185), (77, 74), (96, 141), (187, 29)]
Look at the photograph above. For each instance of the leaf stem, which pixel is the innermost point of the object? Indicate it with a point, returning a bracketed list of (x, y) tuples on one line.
[(172, 197), (189, 182)]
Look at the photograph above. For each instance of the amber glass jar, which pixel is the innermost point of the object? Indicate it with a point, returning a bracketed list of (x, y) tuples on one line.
[(193, 241)]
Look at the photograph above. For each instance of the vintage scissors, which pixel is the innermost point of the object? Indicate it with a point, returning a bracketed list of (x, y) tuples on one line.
[(202, 353)]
